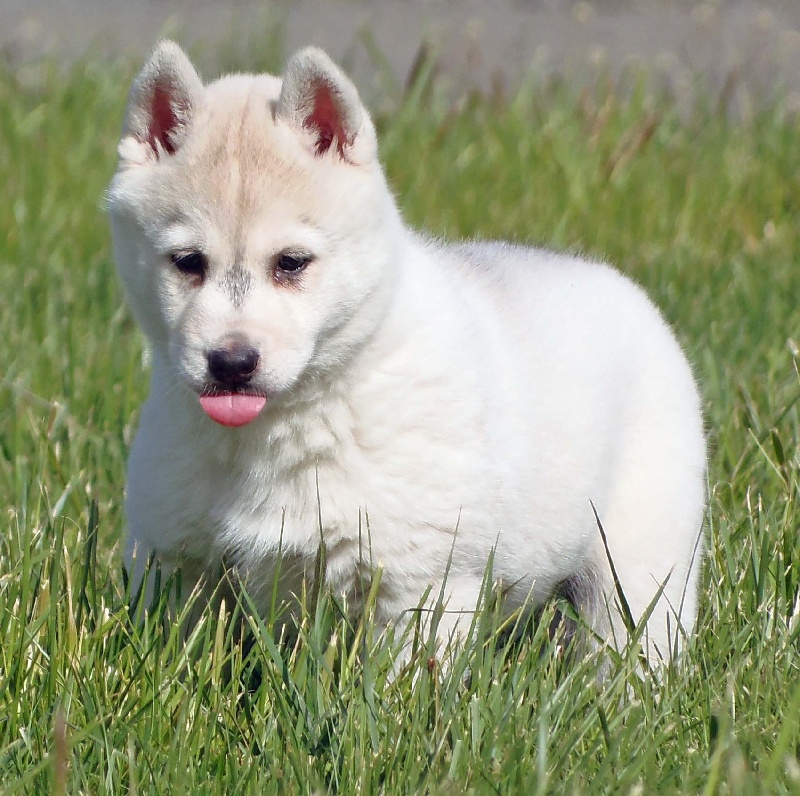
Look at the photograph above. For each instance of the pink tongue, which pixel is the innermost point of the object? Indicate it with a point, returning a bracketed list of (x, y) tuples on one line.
[(232, 409)]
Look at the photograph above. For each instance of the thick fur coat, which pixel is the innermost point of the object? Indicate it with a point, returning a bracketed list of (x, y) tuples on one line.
[(322, 374)]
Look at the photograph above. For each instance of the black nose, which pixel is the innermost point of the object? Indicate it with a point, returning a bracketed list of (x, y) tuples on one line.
[(234, 365)]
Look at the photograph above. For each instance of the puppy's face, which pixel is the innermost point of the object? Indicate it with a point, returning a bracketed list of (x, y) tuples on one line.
[(249, 221)]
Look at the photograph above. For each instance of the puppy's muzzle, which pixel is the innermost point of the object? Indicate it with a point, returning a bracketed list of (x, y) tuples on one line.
[(233, 365)]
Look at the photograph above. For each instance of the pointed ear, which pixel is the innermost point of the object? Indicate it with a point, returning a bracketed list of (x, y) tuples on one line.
[(318, 98), (162, 102)]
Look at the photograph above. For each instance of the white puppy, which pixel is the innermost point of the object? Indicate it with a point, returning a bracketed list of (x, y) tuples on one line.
[(322, 374)]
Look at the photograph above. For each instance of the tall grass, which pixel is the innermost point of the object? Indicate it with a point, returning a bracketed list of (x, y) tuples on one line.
[(702, 212)]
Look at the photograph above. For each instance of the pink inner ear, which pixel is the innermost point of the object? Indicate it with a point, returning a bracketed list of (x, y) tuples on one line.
[(325, 121), (163, 121)]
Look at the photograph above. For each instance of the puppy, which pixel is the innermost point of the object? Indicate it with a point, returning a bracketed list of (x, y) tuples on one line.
[(323, 375)]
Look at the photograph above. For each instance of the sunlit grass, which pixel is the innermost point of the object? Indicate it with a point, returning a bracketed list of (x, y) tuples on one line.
[(703, 213)]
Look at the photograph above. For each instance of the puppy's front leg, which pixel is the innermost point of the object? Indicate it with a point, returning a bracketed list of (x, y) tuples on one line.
[(151, 573)]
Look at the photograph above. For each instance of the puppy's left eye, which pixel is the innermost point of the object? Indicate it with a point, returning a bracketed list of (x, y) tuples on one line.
[(291, 263)]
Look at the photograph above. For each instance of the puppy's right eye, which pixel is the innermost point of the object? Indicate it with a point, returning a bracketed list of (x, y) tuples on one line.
[(191, 263)]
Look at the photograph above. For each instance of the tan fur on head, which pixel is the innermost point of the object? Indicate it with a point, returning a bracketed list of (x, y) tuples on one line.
[(244, 171)]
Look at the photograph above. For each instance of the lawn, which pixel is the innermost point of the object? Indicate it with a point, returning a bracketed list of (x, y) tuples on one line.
[(704, 212)]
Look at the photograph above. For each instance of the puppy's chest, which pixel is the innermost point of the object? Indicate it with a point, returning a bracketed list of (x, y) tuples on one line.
[(284, 492), (362, 503)]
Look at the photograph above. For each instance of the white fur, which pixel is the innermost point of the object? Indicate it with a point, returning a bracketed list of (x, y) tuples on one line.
[(427, 402)]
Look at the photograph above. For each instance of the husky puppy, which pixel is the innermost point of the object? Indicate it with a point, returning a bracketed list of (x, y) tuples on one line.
[(321, 374)]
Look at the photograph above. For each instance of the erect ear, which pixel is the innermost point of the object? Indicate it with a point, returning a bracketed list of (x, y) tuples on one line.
[(318, 98), (162, 102)]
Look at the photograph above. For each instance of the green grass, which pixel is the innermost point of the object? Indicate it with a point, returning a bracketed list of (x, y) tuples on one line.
[(704, 213)]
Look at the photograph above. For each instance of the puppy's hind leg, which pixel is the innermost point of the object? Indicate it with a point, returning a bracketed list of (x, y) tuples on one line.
[(599, 616)]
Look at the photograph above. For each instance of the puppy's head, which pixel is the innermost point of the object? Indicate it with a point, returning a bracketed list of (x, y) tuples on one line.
[(252, 226)]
